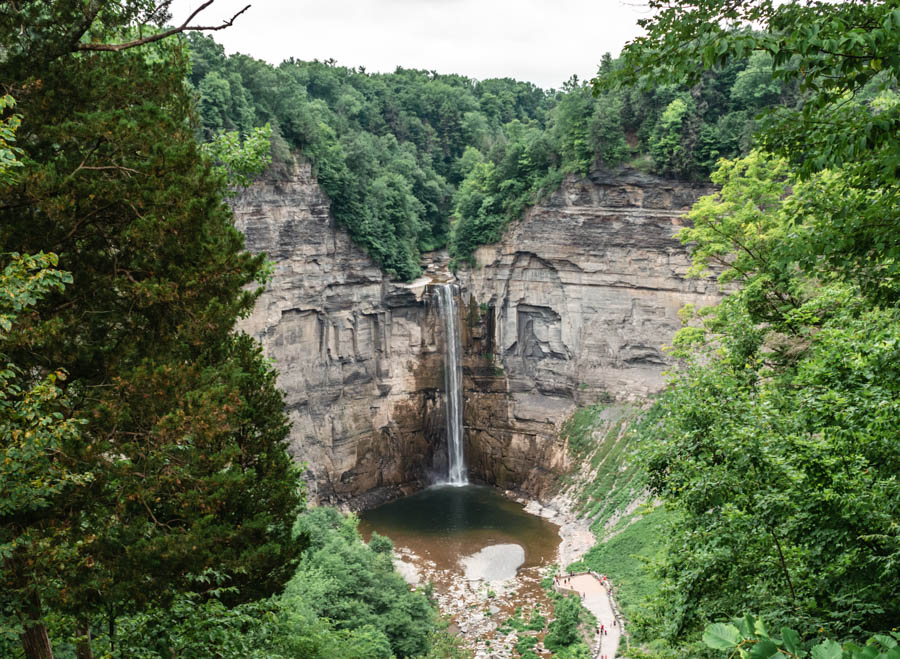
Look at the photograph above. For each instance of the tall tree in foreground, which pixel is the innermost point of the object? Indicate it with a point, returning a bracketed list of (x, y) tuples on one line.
[(34, 423), (180, 449), (777, 449)]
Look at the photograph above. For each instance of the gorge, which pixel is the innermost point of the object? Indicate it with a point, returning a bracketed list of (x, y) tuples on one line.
[(454, 306), (571, 307)]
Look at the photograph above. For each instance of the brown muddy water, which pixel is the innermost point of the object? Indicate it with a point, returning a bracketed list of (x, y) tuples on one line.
[(484, 554), (447, 523)]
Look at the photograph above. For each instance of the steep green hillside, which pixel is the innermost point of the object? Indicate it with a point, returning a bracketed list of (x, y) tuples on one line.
[(610, 491), (775, 448)]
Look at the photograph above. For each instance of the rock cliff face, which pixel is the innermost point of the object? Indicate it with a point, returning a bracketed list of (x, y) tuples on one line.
[(357, 354), (572, 306), (579, 298)]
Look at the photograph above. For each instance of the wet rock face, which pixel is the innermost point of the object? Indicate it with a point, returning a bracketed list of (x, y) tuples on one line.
[(575, 303), (571, 307)]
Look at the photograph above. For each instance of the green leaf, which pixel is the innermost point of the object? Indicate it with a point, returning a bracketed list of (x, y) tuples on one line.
[(827, 650), (720, 636), (745, 625), (886, 641), (764, 649), (791, 640)]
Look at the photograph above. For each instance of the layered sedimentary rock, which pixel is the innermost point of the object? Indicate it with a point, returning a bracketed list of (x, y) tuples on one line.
[(574, 306), (356, 353)]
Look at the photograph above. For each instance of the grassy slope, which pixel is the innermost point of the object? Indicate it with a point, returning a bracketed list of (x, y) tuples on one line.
[(609, 494), (624, 558)]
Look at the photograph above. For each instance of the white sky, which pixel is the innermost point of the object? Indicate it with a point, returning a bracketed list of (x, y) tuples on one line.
[(541, 41)]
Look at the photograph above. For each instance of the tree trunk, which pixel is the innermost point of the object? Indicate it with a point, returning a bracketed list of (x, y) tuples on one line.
[(112, 630), (83, 646), (36, 642)]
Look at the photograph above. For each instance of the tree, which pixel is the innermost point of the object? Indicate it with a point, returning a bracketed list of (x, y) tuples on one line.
[(572, 128), (667, 142), (9, 154), (563, 629), (832, 52), (775, 448), (48, 30), (607, 135), (564, 632), (36, 424), (182, 430), (240, 161), (742, 233), (365, 596), (754, 87)]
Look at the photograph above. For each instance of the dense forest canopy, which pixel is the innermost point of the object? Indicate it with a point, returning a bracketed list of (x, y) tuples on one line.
[(387, 148)]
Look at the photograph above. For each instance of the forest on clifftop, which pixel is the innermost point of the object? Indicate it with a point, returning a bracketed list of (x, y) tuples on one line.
[(414, 161)]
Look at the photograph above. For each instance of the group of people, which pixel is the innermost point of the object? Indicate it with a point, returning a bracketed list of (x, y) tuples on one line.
[(562, 579), (604, 631), (565, 580), (601, 577)]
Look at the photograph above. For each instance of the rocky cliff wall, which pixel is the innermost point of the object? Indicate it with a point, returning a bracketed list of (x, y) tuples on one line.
[(357, 354), (572, 306)]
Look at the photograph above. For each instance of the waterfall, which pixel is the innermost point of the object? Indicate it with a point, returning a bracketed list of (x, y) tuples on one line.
[(446, 298)]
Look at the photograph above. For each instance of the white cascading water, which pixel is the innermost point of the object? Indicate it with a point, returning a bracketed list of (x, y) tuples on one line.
[(446, 298)]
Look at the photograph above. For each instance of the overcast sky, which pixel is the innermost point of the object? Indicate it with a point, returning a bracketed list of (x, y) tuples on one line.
[(542, 41)]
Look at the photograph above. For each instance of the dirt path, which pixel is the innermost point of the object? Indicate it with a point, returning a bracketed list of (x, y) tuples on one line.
[(597, 600)]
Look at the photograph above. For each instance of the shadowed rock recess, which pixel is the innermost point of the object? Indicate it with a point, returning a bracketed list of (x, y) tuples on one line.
[(572, 307)]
